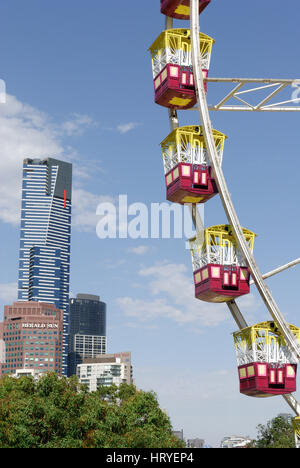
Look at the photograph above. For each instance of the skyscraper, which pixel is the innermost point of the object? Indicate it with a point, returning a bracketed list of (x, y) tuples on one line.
[(44, 266), (87, 329)]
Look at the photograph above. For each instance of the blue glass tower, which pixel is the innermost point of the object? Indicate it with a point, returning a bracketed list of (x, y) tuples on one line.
[(44, 266), (87, 330)]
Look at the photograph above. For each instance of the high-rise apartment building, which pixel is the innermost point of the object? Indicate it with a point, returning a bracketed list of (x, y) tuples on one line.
[(110, 369), (32, 338), (44, 266), (87, 329)]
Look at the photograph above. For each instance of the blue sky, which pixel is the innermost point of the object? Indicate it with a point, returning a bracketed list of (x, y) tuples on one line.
[(79, 87)]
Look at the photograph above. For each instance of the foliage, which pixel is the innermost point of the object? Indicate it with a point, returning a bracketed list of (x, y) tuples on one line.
[(277, 433), (59, 413)]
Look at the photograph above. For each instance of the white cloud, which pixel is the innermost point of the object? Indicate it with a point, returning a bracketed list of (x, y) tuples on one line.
[(77, 124), (189, 385), (125, 128), (140, 250), (84, 171), (173, 297), (84, 216), (26, 132), (148, 310), (113, 264)]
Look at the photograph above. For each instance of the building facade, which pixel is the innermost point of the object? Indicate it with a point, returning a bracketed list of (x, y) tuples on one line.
[(32, 335), (236, 442), (178, 434), (195, 443), (34, 373), (45, 236), (87, 329), (110, 369), (287, 417)]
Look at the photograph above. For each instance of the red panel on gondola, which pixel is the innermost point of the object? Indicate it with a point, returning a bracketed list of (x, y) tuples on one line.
[(190, 183), (174, 87), (263, 380), (218, 283), (180, 9)]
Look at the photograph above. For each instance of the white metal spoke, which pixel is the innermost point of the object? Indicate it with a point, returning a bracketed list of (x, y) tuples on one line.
[(280, 269)]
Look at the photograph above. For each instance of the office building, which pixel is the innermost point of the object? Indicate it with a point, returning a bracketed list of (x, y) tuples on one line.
[(178, 434), (45, 236), (87, 329), (106, 370), (32, 333), (236, 442), (195, 443)]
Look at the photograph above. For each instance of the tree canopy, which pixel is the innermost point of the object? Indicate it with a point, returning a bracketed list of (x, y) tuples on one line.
[(59, 413), (277, 433)]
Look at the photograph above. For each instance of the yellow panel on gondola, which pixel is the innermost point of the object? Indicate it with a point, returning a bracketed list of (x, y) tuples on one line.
[(220, 237), (180, 40)]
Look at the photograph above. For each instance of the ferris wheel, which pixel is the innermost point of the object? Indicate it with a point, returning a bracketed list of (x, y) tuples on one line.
[(223, 263)]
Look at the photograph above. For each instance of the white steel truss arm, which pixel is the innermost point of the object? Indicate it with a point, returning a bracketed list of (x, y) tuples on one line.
[(223, 189), (276, 87)]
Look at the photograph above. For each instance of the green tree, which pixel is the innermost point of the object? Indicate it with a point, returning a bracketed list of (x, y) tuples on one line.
[(277, 433), (59, 413)]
